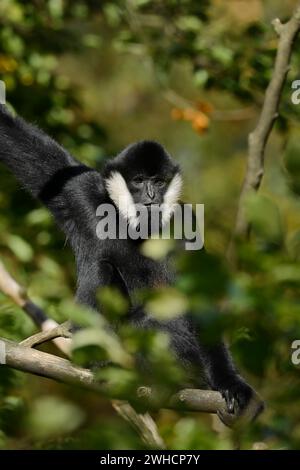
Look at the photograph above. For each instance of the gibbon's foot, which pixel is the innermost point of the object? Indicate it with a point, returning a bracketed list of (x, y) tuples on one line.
[(241, 401), (237, 396)]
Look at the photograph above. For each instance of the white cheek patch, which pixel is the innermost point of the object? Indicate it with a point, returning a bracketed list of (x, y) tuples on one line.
[(119, 193), (171, 198)]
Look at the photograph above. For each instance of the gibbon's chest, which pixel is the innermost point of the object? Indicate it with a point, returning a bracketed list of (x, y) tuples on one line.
[(137, 270)]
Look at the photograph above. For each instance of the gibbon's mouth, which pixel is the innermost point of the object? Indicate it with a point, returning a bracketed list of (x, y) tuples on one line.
[(150, 204)]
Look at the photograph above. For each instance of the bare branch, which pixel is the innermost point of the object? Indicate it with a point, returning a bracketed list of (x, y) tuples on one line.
[(62, 370), (143, 423), (60, 331), (278, 26), (258, 138), (206, 401), (45, 365), (53, 367)]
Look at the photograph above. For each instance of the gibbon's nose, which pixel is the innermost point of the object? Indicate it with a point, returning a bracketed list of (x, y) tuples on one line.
[(150, 191)]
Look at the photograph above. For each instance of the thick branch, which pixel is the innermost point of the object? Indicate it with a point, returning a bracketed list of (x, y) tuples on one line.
[(53, 367), (47, 365), (258, 138), (206, 401)]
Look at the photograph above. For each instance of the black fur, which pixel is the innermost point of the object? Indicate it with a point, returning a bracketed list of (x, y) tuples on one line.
[(72, 192), (142, 157)]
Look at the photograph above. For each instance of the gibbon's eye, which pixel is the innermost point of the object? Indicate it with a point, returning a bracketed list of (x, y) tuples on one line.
[(137, 180), (160, 182)]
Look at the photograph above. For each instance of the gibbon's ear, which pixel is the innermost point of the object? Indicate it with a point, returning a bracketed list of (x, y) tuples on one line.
[(120, 195)]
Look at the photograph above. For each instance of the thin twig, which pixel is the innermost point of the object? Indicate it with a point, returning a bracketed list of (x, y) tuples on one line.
[(143, 423), (60, 331)]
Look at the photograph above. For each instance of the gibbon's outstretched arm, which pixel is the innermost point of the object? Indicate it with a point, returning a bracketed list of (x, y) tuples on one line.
[(50, 174)]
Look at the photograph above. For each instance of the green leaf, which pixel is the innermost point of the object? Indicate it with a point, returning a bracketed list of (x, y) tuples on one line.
[(56, 8), (166, 303), (105, 340), (21, 249), (189, 23), (201, 77), (157, 248), (53, 416), (286, 273), (112, 14), (113, 303), (222, 54), (39, 216)]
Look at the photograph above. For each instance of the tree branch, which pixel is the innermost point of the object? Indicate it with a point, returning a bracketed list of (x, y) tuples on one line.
[(143, 423), (62, 370), (53, 367), (258, 138), (60, 331)]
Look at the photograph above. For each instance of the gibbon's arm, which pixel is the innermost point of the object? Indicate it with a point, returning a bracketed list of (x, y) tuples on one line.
[(69, 189)]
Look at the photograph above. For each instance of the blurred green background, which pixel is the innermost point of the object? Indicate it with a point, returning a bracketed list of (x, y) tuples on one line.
[(98, 75)]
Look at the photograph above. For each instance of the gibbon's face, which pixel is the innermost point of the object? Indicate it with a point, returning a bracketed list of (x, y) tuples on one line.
[(152, 192), (148, 190)]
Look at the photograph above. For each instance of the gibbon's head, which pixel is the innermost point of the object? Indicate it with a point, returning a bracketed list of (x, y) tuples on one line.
[(143, 173)]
